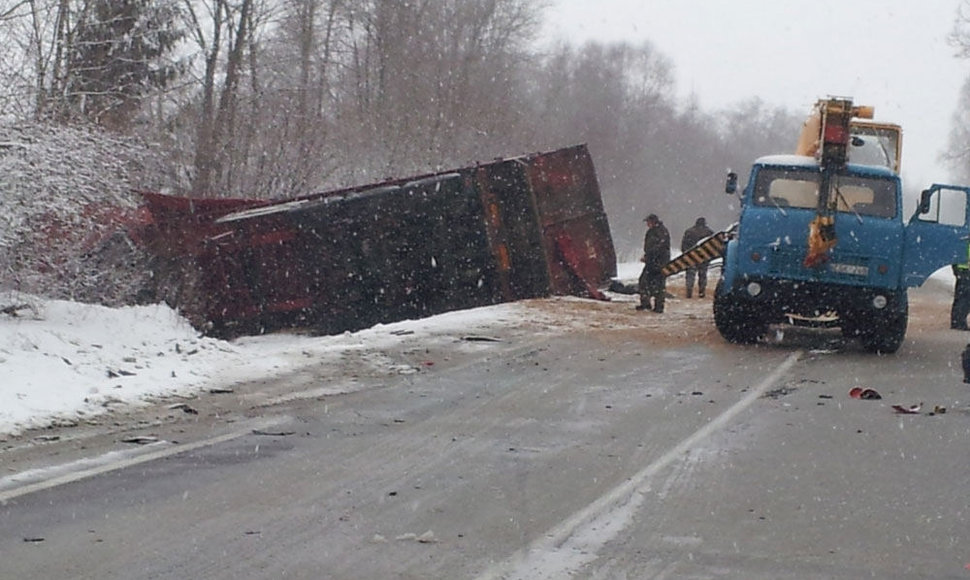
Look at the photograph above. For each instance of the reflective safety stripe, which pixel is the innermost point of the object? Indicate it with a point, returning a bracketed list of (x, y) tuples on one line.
[(705, 251), (966, 265)]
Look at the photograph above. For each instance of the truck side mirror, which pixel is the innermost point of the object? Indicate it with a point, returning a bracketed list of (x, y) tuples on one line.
[(924, 201), (732, 183)]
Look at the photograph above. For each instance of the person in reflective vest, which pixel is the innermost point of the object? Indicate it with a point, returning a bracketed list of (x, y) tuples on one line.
[(961, 295)]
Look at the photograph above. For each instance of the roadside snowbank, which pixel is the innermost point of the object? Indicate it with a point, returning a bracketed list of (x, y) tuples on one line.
[(65, 362)]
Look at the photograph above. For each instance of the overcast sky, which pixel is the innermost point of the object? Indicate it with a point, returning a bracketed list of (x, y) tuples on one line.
[(891, 54)]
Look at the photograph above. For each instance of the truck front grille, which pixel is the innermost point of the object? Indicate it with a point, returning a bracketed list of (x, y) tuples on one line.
[(840, 268)]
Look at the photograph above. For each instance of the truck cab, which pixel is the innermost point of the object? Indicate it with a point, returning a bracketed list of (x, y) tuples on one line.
[(861, 284)]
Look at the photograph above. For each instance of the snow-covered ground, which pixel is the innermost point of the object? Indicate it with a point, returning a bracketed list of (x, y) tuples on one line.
[(65, 362)]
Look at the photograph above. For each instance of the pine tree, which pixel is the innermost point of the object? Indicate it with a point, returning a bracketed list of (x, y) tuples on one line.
[(118, 56)]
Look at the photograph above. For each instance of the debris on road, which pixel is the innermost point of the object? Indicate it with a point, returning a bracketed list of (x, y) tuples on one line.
[(141, 439), (911, 410), (864, 393), (184, 408), (817, 351), (779, 392), (425, 538), (273, 433), (619, 287)]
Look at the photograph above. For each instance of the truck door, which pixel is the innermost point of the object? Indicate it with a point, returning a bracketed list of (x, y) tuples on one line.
[(938, 233)]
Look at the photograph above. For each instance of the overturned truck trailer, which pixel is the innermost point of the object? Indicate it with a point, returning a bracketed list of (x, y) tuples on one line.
[(511, 229)]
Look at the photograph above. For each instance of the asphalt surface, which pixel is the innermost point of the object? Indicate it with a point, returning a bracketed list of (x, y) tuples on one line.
[(605, 444)]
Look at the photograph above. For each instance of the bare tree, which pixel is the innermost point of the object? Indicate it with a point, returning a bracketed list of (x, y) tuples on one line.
[(959, 36), (39, 36), (356, 90), (18, 61), (432, 78), (618, 98), (295, 100), (226, 28), (957, 155)]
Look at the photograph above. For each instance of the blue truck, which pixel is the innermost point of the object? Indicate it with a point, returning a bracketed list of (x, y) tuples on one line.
[(821, 238)]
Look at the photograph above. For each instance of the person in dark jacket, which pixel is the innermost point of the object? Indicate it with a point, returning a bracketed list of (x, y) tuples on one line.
[(656, 254), (961, 295), (694, 234)]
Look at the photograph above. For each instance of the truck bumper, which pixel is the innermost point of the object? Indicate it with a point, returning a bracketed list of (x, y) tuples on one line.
[(778, 300)]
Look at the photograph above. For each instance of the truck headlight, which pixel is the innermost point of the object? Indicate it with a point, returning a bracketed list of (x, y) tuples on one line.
[(754, 288), (879, 302)]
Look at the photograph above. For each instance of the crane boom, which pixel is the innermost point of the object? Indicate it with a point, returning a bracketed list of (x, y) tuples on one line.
[(834, 117)]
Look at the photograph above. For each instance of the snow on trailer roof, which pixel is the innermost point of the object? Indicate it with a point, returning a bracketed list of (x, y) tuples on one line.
[(371, 192), (433, 180), (307, 203), (262, 210)]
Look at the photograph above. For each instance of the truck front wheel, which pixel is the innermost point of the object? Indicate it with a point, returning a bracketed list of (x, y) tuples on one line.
[(886, 335), (736, 322)]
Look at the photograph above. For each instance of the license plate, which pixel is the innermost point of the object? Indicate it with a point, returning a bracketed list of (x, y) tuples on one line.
[(850, 269)]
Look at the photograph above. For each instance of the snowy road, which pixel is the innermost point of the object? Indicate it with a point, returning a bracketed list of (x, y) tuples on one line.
[(627, 449)]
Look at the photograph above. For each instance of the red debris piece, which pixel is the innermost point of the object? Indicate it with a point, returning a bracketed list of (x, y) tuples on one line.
[(864, 393), (911, 410)]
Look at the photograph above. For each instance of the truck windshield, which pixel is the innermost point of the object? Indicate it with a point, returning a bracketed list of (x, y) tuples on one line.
[(783, 188)]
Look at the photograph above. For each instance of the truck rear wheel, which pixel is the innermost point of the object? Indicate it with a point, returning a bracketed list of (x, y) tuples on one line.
[(736, 322)]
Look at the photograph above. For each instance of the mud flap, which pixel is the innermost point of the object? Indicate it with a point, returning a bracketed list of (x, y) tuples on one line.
[(572, 260)]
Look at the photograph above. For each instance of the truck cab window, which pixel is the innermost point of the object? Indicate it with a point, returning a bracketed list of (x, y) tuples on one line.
[(947, 207), (861, 195), (865, 196), (786, 189)]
